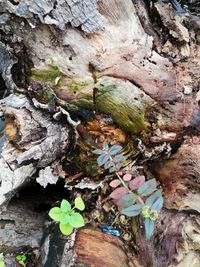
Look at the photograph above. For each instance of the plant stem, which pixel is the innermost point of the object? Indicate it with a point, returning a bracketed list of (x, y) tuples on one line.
[(140, 200)]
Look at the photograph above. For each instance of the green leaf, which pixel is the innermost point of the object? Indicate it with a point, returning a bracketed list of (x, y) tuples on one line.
[(105, 145), (79, 204), (126, 201), (155, 200), (114, 149), (65, 206), (101, 160), (66, 229), (133, 210), (108, 165), (147, 188), (64, 218), (158, 204), (118, 158), (98, 151), (55, 214), (2, 260), (149, 228), (76, 220)]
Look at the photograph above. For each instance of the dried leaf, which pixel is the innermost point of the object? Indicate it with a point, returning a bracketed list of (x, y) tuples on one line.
[(118, 193), (137, 182), (147, 188)]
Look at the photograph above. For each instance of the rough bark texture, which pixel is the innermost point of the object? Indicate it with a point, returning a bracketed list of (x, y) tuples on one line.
[(113, 70)]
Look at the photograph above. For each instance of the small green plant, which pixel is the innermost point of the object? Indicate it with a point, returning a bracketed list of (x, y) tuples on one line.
[(67, 217), (2, 264), (133, 196), (21, 258)]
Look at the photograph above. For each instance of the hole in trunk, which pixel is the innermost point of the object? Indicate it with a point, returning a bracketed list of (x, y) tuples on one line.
[(2, 86)]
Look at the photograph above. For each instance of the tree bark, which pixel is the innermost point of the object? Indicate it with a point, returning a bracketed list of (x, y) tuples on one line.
[(80, 72)]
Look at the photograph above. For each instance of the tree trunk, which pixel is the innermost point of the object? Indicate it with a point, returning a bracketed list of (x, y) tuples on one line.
[(77, 72)]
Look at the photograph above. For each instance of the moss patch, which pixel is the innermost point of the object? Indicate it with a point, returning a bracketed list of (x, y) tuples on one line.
[(124, 102), (48, 75)]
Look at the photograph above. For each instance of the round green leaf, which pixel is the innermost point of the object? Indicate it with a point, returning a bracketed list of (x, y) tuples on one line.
[(66, 229), (64, 218), (65, 205), (76, 220), (55, 214), (79, 204)]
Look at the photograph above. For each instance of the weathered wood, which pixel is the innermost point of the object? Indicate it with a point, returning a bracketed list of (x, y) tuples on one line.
[(103, 60), (88, 247)]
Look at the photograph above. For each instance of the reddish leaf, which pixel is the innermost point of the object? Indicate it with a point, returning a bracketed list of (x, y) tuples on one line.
[(137, 182), (115, 183), (127, 177), (118, 193)]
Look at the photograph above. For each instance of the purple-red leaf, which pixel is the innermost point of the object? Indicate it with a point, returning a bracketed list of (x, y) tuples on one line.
[(118, 193), (147, 188), (137, 182), (126, 201), (133, 210), (127, 177), (115, 183)]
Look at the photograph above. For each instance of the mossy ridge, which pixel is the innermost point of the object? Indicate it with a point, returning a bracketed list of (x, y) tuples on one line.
[(48, 75), (122, 101)]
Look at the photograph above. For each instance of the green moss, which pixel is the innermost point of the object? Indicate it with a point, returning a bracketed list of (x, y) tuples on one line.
[(48, 75), (121, 100)]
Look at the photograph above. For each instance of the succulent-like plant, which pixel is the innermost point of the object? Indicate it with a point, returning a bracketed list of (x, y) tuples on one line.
[(133, 196), (67, 217)]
